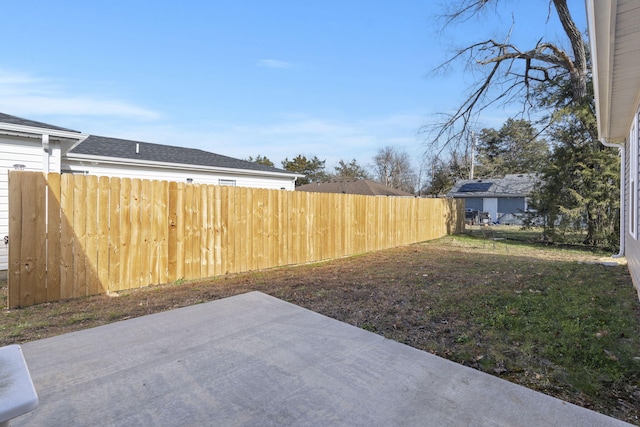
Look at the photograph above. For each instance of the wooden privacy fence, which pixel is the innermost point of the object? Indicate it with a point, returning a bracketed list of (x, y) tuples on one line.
[(75, 235)]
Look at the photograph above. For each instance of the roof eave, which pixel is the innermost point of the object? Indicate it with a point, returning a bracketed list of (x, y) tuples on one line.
[(486, 195), (34, 130), (600, 30), (165, 165), (614, 37)]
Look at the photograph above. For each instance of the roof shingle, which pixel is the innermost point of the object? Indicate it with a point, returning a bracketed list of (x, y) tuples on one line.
[(512, 185), (101, 146), (359, 186), (7, 118)]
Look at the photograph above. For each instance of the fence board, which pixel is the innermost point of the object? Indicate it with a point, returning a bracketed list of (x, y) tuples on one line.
[(293, 241), (181, 232), (39, 264), (226, 210), (217, 230), (30, 240), (232, 228), (272, 249), (162, 216), (196, 233), (135, 266), (80, 236), (15, 244), (115, 209), (27, 253), (54, 237), (243, 239), (281, 231), (102, 235), (125, 234), (208, 266), (146, 252), (68, 237), (91, 242), (75, 235), (172, 235), (154, 225)]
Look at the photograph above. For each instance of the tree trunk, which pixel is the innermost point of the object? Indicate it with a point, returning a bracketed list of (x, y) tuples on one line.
[(578, 72)]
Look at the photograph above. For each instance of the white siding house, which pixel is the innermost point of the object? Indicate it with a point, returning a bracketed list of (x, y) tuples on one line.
[(614, 35), (32, 146), (36, 146), (98, 155)]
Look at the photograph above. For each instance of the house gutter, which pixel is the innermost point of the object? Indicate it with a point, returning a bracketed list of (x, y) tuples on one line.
[(33, 130), (623, 209)]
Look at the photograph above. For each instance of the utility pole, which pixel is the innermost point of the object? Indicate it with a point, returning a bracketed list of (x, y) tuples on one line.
[(473, 153)]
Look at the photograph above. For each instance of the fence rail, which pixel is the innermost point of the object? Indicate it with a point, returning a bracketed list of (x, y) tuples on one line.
[(75, 235)]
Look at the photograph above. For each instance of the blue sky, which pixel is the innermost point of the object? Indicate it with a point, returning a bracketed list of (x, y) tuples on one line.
[(278, 78)]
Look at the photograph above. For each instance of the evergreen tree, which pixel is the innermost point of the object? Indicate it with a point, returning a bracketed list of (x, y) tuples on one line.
[(580, 193), (351, 170), (515, 148), (579, 196), (263, 160), (313, 170), (441, 178)]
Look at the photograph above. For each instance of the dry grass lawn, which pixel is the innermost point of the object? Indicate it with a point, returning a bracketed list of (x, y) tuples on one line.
[(551, 319)]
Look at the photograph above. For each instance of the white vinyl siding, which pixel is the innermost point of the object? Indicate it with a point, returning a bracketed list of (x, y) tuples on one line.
[(254, 180), (27, 152), (633, 179), (490, 205)]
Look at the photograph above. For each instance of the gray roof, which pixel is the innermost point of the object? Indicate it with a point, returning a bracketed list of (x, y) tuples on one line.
[(513, 185), (354, 186), (7, 118), (101, 146)]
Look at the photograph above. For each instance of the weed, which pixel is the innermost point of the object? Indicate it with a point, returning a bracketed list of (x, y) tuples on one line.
[(81, 317), (114, 315), (368, 327)]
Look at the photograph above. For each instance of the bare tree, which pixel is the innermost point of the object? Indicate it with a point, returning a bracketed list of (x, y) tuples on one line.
[(509, 72), (393, 169)]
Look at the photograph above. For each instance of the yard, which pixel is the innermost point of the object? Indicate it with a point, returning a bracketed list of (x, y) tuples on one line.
[(552, 319)]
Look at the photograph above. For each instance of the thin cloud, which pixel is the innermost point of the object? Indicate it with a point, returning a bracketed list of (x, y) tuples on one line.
[(273, 63), (23, 94), (283, 136), (331, 139)]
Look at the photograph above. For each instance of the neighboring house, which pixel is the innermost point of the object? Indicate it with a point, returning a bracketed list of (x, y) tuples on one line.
[(614, 34), (354, 186), (501, 198), (99, 155), (32, 146), (36, 146)]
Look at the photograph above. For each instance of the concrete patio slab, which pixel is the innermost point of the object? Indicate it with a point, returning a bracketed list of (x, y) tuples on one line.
[(254, 360)]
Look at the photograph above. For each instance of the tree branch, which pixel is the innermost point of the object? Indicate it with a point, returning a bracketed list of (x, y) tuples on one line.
[(514, 74)]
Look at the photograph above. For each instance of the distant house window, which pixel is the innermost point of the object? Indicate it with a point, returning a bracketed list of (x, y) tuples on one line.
[(227, 182), (634, 140)]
